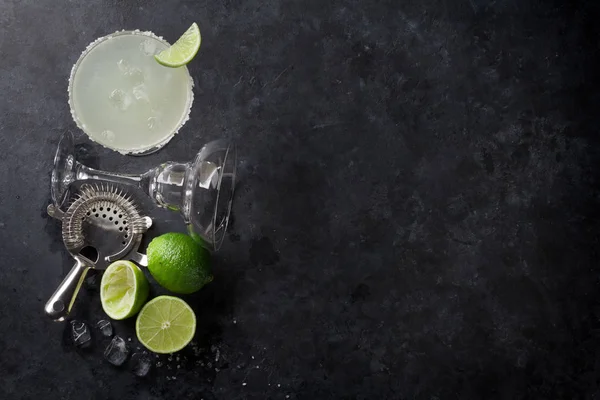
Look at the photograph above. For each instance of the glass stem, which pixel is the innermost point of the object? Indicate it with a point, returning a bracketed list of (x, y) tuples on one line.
[(86, 173)]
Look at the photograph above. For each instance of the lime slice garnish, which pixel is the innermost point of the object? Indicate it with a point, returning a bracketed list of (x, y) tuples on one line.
[(166, 324), (123, 290), (183, 50)]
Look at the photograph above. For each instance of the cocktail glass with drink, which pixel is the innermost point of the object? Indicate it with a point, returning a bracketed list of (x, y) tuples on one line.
[(122, 98)]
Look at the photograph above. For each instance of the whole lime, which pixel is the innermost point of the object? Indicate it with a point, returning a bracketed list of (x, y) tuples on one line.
[(178, 263)]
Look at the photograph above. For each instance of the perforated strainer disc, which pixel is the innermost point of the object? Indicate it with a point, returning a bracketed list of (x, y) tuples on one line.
[(105, 219)]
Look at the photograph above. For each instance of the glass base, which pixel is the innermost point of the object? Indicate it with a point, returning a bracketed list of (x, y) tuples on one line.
[(63, 173)]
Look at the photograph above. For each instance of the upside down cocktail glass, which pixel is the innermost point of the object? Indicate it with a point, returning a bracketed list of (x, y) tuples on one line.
[(201, 190)]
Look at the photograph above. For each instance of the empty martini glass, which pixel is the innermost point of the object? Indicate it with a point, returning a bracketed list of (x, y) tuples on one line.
[(201, 190)]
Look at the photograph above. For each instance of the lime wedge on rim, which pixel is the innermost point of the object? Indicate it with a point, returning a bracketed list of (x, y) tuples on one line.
[(166, 324), (123, 289), (183, 50)]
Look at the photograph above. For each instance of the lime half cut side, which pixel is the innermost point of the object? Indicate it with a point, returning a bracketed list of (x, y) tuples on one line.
[(183, 50), (123, 289), (166, 324)]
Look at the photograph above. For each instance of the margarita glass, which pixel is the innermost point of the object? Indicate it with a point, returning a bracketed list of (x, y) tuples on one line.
[(122, 98)]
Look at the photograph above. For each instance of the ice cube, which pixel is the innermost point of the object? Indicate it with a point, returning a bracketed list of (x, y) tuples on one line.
[(117, 351), (119, 99), (135, 76), (105, 327), (123, 66), (148, 47), (80, 332), (139, 92), (108, 135), (140, 364), (151, 123)]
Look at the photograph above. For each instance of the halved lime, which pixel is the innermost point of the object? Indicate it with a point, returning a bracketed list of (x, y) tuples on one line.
[(183, 50), (166, 324), (123, 290)]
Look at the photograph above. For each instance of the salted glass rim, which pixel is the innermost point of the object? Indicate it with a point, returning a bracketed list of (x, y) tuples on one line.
[(143, 150)]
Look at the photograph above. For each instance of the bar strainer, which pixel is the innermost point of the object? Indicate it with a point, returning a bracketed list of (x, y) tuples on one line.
[(102, 225)]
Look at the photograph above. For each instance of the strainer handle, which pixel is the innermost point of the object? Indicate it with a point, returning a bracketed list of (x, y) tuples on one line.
[(61, 302)]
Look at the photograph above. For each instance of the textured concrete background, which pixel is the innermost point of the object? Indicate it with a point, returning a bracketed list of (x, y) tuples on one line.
[(417, 208)]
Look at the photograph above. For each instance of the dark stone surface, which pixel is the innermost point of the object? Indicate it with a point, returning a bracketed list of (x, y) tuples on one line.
[(417, 213)]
